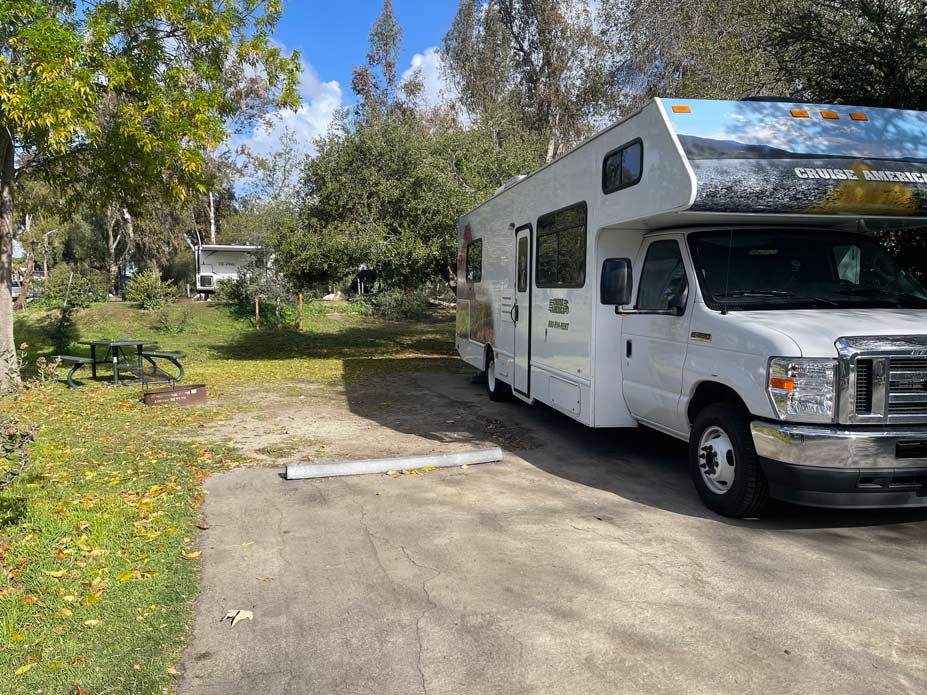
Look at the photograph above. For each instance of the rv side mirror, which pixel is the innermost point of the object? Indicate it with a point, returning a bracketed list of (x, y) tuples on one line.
[(617, 282)]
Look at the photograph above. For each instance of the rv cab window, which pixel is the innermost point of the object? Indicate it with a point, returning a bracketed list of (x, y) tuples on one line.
[(623, 167), (561, 248), (663, 278), (475, 260)]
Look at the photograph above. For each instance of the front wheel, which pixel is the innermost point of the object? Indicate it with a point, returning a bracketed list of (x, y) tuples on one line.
[(497, 390), (723, 463)]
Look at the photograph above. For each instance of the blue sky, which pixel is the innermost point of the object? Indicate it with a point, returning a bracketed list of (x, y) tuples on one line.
[(333, 35), (332, 38)]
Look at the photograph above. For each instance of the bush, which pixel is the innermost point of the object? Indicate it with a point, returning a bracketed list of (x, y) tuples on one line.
[(149, 291), (14, 449), (401, 305), (63, 331), (237, 291), (171, 322), (86, 287)]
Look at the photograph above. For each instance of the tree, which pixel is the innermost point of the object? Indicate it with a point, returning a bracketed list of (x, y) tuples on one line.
[(705, 49), (540, 62), (862, 52), (118, 101)]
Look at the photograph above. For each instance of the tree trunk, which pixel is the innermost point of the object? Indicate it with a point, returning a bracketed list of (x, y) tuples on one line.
[(9, 368), (112, 241), (212, 218), (27, 278)]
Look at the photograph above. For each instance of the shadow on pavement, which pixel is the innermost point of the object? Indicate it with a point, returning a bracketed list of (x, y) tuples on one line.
[(639, 465)]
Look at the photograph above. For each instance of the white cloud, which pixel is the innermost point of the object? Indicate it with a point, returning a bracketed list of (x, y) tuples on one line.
[(318, 103), (430, 68)]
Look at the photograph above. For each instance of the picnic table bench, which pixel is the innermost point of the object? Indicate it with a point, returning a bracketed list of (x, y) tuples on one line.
[(116, 351)]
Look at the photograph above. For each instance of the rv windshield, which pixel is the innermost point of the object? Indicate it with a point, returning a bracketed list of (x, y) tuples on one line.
[(741, 270)]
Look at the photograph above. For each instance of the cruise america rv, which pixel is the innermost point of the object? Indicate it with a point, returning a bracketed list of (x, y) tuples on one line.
[(712, 270), (218, 262)]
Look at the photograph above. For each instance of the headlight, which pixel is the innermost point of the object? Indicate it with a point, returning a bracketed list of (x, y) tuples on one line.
[(803, 389)]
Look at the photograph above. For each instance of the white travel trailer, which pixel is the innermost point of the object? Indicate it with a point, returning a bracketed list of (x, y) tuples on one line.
[(710, 269), (217, 262)]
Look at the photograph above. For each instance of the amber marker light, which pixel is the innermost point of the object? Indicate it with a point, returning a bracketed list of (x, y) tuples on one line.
[(830, 115), (682, 108), (782, 384), (859, 117), (800, 113)]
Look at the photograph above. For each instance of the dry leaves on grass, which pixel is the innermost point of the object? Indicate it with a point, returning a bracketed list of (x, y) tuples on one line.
[(237, 616)]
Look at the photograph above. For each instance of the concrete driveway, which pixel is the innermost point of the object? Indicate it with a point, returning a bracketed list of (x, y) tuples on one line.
[(582, 564)]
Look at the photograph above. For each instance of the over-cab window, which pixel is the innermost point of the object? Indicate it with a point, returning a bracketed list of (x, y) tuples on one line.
[(561, 248), (663, 278), (475, 260), (623, 167)]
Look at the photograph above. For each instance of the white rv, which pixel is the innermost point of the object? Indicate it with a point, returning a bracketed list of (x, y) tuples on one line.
[(217, 262), (712, 270)]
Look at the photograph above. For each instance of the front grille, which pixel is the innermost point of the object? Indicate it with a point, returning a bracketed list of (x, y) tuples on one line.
[(863, 387), (907, 390)]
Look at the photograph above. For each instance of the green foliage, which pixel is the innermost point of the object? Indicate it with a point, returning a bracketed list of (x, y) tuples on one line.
[(64, 332), (149, 291), (172, 322), (401, 305), (865, 52), (79, 287), (14, 449)]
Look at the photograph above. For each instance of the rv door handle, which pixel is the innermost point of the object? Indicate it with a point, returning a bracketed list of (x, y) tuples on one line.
[(514, 314), (627, 348)]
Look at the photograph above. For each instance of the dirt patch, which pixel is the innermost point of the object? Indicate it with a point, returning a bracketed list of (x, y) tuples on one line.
[(392, 415)]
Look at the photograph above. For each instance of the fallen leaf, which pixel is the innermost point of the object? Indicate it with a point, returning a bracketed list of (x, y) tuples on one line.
[(65, 613), (123, 576), (17, 638), (137, 667), (247, 543), (191, 556), (91, 623), (22, 669), (265, 579), (56, 574), (202, 527), (237, 616), (173, 671)]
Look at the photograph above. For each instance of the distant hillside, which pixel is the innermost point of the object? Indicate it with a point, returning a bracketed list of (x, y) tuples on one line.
[(708, 148)]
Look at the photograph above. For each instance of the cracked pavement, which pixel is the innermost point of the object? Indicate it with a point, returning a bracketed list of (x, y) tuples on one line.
[(585, 564)]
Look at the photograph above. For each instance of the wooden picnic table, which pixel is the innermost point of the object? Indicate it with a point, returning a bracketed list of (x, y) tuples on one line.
[(114, 350)]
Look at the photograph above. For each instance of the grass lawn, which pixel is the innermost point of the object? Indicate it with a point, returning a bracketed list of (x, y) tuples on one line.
[(98, 565)]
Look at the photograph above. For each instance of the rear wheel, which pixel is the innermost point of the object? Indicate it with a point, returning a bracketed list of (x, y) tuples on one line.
[(723, 462), (497, 390)]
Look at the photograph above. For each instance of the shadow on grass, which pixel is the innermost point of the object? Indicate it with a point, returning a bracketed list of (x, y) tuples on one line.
[(376, 339), (12, 510)]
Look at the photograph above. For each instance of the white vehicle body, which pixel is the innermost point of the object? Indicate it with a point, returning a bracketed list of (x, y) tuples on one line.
[(217, 262), (530, 308)]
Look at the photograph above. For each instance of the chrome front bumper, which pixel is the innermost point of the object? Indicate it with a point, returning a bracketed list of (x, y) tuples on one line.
[(832, 447)]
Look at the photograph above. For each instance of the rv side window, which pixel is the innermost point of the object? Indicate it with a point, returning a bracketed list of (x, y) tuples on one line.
[(623, 167), (475, 260), (663, 278), (561, 248)]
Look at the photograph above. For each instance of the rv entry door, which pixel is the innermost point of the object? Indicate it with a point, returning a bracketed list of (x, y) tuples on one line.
[(521, 311)]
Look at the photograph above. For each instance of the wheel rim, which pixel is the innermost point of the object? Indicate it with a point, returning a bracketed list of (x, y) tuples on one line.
[(491, 376), (716, 461)]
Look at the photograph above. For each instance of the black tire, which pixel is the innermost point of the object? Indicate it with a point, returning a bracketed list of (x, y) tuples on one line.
[(497, 390), (748, 494)]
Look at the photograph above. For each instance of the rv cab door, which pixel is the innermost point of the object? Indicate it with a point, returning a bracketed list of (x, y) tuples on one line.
[(653, 347)]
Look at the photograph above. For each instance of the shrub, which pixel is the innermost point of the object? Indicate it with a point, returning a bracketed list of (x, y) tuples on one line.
[(64, 331), (149, 291), (80, 287), (170, 322), (401, 305), (235, 291), (14, 449)]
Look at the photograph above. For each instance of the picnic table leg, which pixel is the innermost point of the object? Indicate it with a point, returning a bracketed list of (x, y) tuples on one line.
[(116, 366), (141, 374), (93, 356)]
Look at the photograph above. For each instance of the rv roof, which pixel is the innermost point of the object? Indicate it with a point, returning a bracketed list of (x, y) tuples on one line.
[(229, 247)]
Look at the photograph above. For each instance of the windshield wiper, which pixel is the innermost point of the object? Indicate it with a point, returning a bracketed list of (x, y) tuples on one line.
[(775, 293), (877, 293), (755, 293)]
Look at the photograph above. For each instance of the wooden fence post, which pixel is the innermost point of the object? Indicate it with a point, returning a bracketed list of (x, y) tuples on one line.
[(300, 311), (257, 312)]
